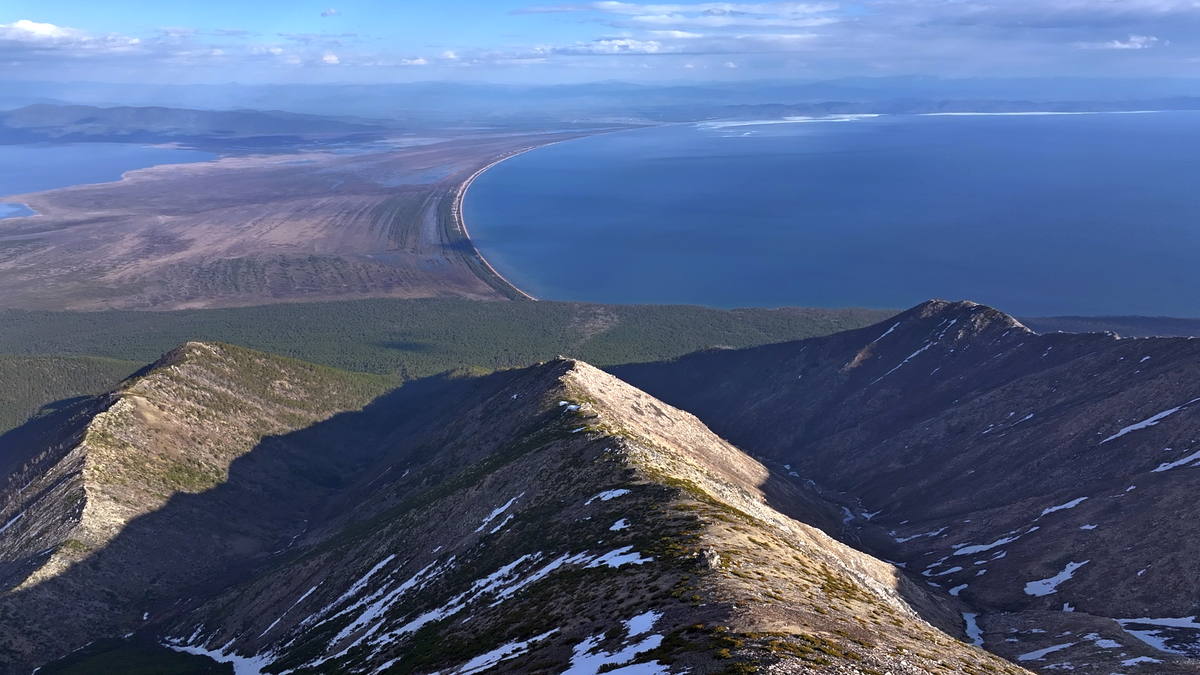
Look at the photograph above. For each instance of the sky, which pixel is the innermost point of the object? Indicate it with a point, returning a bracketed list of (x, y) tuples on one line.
[(541, 41)]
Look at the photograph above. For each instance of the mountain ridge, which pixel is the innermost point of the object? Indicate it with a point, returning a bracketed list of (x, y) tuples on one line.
[(620, 531), (954, 427)]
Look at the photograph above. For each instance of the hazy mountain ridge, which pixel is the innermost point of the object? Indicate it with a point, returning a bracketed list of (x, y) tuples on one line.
[(64, 123), (1057, 463), (470, 102), (559, 508)]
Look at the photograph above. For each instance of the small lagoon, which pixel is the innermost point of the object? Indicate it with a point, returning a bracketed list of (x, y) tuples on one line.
[(38, 167)]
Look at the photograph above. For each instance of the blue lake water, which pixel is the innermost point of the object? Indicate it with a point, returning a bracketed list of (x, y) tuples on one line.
[(1035, 215), (37, 167)]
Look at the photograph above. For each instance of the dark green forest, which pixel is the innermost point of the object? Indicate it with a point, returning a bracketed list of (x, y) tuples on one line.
[(48, 357)]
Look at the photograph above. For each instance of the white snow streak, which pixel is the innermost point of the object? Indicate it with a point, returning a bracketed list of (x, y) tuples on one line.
[(1161, 467), (980, 548), (607, 495), (496, 514), (1069, 505), (619, 557), (889, 331), (9, 523), (242, 665), (508, 651), (1041, 653), (1149, 422), (1048, 586), (268, 630)]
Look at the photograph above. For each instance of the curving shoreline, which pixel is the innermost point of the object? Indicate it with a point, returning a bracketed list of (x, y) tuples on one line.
[(488, 273)]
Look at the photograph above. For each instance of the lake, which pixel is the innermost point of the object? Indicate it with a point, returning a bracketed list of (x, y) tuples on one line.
[(1033, 214), (38, 167)]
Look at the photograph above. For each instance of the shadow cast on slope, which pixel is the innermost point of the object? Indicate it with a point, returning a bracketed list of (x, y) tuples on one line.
[(202, 542)]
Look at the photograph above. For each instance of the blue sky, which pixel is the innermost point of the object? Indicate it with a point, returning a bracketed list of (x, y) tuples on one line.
[(545, 41)]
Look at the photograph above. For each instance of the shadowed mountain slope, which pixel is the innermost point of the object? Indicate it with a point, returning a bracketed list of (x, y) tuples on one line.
[(1046, 480), (537, 520), (74, 481)]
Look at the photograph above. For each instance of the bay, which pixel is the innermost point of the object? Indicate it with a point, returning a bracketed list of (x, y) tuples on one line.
[(1034, 214)]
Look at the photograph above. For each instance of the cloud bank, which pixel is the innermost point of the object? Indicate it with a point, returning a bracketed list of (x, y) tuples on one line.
[(816, 39)]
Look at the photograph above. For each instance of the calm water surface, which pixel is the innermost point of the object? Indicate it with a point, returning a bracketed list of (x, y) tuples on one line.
[(1036, 215), (37, 167)]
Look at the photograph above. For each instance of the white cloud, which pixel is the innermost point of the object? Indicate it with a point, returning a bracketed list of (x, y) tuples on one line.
[(330, 12), (606, 46), (331, 59), (707, 9), (730, 64), (1134, 42), (30, 30), (29, 40)]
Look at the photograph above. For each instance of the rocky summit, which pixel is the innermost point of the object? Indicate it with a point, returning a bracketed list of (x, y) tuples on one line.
[(229, 504)]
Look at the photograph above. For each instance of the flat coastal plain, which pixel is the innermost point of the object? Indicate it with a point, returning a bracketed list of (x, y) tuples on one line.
[(371, 221)]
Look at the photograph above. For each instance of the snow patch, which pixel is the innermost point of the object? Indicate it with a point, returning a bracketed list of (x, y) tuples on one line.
[(620, 557), (496, 513), (1161, 467), (642, 623), (901, 540), (886, 333), (973, 630), (276, 621), (10, 522), (1041, 653), (607, 495), (980, 548), (242, 665), (1149, 422), (619, 525), (1069, 505), (504, 522), (511, 650), (1173, 636), (1044, 587)]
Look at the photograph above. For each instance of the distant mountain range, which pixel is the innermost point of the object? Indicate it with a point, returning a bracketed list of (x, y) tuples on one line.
[(47, 122), (470, 104), (896, 495)]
